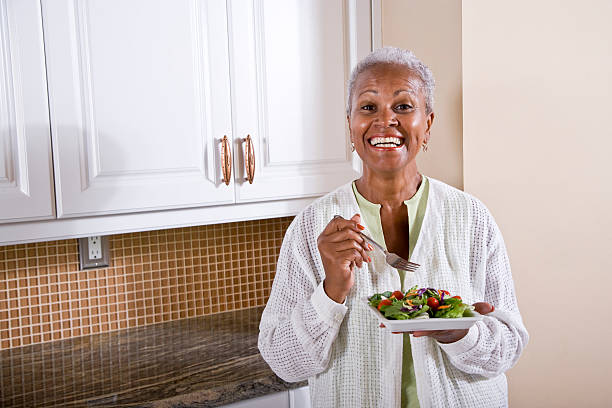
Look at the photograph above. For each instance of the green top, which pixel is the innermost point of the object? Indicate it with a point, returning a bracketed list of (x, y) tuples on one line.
[(370, 216)]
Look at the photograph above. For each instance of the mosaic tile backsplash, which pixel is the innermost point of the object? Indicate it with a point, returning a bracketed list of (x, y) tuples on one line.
[(153, 277)]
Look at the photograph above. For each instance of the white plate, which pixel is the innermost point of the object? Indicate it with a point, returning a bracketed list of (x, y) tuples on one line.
[(426, 323)]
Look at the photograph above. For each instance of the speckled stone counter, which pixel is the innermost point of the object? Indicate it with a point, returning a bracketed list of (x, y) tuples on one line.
[(200, 362)]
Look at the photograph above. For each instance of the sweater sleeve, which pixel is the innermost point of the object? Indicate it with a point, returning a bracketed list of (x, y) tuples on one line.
[(300, 322), (494, 344)]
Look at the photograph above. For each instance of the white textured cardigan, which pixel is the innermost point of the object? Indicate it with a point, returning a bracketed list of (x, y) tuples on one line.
[(351, 362)]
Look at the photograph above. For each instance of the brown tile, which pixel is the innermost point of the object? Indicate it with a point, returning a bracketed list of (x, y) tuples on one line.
[(154, 277)]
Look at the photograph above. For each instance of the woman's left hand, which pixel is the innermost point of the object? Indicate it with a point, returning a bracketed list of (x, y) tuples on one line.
[(451, 336)]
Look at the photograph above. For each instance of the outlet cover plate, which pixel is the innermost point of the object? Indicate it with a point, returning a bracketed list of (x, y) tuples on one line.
[(94, 245), (87, 262)]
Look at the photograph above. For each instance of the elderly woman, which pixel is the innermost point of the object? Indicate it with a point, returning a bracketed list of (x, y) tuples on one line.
[(316, 325)]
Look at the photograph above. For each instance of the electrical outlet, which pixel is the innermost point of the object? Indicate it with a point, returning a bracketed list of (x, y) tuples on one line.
[(94, 252), (94, 244)]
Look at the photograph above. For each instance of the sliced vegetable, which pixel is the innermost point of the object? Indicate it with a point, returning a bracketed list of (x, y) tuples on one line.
[(397, 295), (384, 302), (433, 303)]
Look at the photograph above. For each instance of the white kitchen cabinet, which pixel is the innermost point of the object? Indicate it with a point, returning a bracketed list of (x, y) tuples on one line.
[(299, 398), (139, 94), (140, 100), (296, 398), (26, 177), (275, 400), (142, 92), (291, 60)]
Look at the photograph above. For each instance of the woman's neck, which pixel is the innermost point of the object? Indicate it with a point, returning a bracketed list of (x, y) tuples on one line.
[(389, 190)]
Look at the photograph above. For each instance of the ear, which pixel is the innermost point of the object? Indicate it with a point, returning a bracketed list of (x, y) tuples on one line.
[(348, 119), (430, 119)]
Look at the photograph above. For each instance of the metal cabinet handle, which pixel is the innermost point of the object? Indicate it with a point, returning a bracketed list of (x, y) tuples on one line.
[(249, 159), (226, 160)]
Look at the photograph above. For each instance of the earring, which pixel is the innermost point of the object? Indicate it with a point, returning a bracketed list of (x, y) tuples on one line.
[(425, 147), (352, 147)]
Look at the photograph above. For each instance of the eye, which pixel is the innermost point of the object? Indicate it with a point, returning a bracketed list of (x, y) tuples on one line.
[(404, 107), (368, 107)]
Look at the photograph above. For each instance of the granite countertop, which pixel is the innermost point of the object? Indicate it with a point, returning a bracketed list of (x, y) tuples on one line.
[(200, 362)]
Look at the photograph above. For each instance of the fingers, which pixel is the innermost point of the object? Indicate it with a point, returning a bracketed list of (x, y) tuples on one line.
[(339, 224), (422, 333), (349, 244), (483, 307), (353, 255), (344, 234), (340, 241)]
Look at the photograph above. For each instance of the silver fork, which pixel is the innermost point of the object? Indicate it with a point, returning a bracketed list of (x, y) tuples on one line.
[(392, 259)]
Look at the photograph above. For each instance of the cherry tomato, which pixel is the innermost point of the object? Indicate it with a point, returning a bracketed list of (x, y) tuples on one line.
[(384, 302), (433, 302), (456, 297), (398, 295)]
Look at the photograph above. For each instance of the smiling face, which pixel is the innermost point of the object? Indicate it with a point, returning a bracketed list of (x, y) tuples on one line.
[(388, 119)]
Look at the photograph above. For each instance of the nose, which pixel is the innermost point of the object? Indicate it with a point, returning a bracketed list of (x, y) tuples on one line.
[(387, 117)]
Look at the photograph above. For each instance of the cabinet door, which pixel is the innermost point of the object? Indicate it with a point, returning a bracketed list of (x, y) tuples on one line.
[(275, 400), (290, 63), (139, 98), (299, 398), (26, 179)]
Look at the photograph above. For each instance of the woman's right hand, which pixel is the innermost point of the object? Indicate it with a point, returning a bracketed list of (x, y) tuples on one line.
[(341, 248)]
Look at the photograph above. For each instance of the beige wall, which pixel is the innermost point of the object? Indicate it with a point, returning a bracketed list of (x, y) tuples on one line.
[(538, 151), (432, 30)]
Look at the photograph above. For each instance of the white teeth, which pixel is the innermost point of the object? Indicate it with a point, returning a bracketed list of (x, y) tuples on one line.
[(385, 141)]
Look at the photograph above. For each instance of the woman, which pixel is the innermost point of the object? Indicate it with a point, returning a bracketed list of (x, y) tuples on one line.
[(316, 324)]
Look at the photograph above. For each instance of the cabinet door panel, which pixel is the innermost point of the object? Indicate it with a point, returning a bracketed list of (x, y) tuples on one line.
[(303, 71), (300, 398), (291, 60), (139, 95), (26, 179), (275, 400)]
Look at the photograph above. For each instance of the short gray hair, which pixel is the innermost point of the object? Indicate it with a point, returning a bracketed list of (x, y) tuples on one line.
[(394, 56)]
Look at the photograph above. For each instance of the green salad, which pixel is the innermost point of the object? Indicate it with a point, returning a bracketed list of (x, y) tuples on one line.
[(419, 303)]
